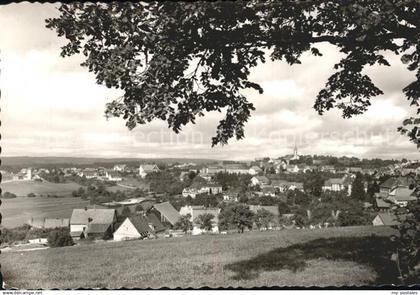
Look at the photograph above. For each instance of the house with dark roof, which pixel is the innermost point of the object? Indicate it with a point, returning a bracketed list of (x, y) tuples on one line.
[(381, 205), (166, 213), (92, 222), (401, 196), (138, 227), (388, 185)]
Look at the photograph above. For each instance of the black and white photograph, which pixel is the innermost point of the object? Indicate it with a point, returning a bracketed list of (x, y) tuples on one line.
[(210, 144)]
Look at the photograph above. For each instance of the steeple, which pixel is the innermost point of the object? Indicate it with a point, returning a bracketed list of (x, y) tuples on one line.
[(295, 153)]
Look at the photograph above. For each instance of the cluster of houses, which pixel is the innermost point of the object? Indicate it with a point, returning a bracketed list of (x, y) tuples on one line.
[(395, 192), (156, 221)]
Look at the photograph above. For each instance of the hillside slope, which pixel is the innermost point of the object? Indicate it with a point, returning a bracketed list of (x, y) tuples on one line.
[(336, 256)]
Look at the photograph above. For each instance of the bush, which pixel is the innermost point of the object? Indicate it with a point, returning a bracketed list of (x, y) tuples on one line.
[(8, 195), (60, 238)]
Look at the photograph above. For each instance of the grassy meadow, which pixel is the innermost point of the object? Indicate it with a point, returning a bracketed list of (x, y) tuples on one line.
[(22, 188), (321, 257), (19, 210)]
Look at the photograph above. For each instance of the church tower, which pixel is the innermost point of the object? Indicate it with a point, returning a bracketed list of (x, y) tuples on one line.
[(295, 153)]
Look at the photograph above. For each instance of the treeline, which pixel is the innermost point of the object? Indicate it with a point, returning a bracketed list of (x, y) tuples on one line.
[(98, 194)]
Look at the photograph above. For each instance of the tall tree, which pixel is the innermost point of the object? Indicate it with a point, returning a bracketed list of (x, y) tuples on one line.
[(175, 61), (263, 218), (184, 223), (205, 221), (236, 216), (358, 188)]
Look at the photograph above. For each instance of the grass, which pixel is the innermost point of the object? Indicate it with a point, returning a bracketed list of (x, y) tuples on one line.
[(19, 210), (24, 187), (322, 257)]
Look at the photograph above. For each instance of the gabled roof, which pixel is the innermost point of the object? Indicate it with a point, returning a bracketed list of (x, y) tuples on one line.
[(168, 211), (98, 216), (158, 226), (140, 223), (149, 168), (388, 218), (97, 228), (382, 204), (402, 194), (396, 181), (256, 168)]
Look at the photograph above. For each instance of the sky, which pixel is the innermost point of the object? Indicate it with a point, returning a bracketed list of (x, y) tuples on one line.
[(51, 106)]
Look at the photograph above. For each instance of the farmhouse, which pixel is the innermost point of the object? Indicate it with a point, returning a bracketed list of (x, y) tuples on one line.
[(113, 176), (147, 169), (401, 196), (212, 189), (388, 185), (259, 180), (92, 222), (196, 211), (338, 184), (138, 227), (166, 213)]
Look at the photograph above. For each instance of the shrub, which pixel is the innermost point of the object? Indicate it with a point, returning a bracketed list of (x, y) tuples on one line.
[(60, 238)]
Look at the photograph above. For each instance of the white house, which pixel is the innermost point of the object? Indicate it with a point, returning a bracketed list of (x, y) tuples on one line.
[(259, 180), (113, 176), (146, 169), (138, 227), (254, 170), (120, 167)]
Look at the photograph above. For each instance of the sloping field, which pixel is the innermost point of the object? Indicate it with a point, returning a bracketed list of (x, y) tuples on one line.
[(17, 211), (322, 257), (24, 187)]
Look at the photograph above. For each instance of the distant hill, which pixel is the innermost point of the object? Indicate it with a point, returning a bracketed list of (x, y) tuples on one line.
[(20, 162)]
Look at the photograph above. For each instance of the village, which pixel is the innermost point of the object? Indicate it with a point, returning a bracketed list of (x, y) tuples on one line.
[(163, 201)]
